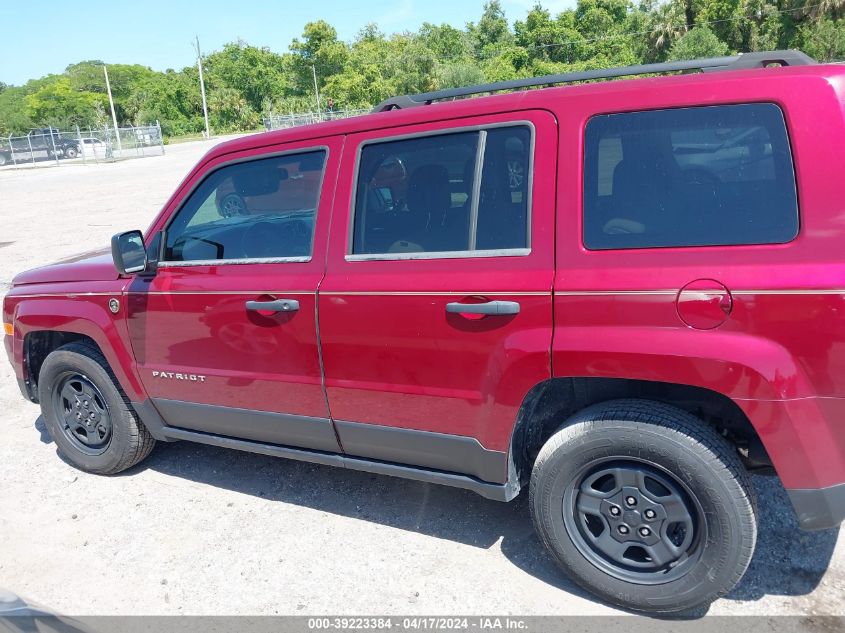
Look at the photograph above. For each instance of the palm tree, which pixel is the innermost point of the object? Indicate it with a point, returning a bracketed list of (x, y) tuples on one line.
[(670, 22), (817, 9)]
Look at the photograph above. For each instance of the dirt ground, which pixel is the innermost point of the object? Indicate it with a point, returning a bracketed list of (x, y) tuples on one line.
[(202, 530)]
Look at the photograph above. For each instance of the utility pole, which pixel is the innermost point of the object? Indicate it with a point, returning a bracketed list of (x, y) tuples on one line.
[(316, 89), (111, 103), (202, 89)]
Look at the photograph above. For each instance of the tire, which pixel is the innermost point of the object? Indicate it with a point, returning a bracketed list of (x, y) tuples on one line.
[(3, 159), (71, 152), (676, 470), (115, 440)]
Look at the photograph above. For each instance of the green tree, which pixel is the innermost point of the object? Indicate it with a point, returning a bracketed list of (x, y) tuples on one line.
[(699, 42), (824, 40), (229, 111), (365, 79), (255, 74), (14, 116), (547, 39), (172, 98), (59, 104), (726, 19), (604, 24), (320, 50), (818, 9), (445, 42), (492, 33), (410, 64), (457, 75), (506, 65), (88, 76), (666, 24)]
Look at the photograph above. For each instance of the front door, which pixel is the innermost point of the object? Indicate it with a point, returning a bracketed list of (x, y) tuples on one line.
[(225, 334), (436, 311)]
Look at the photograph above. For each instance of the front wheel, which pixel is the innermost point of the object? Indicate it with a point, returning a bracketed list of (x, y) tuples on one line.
[(645, 506), (86, 413)]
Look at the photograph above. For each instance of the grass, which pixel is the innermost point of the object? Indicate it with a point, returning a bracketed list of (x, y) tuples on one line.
[(183, 138)]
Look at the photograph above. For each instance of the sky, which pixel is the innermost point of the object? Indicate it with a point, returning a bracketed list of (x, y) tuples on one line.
[(159, 33)]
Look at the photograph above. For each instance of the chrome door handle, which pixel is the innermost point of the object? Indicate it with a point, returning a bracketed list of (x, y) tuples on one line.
[(279, 305), (490, 307)]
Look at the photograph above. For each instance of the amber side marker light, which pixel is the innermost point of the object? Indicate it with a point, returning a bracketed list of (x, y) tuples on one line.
[(8, 329)]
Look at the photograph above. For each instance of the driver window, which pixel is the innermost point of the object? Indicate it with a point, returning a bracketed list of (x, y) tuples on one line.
[(259, 209)]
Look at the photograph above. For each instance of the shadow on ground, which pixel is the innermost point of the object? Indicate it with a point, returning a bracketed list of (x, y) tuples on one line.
[(787, 561)]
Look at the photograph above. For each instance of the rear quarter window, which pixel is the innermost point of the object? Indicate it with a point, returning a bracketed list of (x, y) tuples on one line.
[(703, 176)]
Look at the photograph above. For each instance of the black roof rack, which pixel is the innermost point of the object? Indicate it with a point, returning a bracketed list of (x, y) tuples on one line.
[(735, 62)]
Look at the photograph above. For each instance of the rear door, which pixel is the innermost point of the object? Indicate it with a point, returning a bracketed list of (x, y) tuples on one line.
[(225, 334), (435, 313)]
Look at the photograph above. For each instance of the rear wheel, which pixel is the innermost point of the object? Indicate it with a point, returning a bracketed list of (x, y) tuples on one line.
[(71, 152), (86, 413), (645, 506)]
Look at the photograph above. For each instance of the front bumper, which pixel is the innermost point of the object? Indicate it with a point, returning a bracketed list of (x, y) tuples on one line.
[(819, 508)]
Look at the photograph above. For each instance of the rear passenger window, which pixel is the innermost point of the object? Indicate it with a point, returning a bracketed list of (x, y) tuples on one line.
[(449, 193), (718, 175)]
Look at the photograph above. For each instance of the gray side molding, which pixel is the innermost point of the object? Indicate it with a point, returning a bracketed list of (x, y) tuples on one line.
[(261, 426), (452, 453), (438, 458)]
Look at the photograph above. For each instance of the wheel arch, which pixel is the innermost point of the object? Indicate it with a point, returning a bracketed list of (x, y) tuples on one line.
[(39, 344), (549, 403), (46, 325)]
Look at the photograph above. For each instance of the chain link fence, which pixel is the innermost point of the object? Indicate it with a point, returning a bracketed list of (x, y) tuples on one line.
[(282, 121), (51, 146)]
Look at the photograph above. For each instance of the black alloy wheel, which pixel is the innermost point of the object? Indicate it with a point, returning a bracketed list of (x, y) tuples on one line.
[(83, 413)]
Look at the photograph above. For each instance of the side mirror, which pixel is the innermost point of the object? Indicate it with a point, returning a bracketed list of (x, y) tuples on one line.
[(128, 252)]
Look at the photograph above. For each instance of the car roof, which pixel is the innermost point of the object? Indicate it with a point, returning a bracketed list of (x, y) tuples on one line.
[(539, 98)]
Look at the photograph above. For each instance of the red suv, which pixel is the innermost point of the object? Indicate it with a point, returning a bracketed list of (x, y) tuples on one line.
[(625, 296)]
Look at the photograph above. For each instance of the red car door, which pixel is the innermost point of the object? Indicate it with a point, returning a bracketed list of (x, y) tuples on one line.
[(225, 333), (436, 309)]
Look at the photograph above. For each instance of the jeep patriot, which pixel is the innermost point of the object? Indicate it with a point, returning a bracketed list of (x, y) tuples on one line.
[(624, 296)]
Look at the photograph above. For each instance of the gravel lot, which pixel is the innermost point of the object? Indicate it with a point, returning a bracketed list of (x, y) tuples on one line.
[(202, 530)]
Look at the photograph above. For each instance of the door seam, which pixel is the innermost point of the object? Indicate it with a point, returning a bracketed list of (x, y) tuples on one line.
[(317, 294)]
